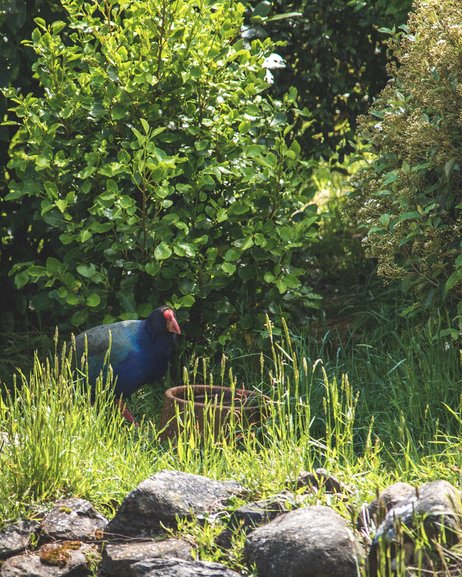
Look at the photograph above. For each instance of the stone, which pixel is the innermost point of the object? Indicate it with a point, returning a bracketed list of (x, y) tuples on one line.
[(320, 479), (16, 538), (180, 568), (252, 515), (309, 542), (64, 559), (437, 504), (260, 512), (159, 500), (434, 507), (119, 558), (372, 515), (73, 520)]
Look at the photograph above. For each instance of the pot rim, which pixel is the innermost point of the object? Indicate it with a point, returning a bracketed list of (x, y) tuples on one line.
[(239, 395)]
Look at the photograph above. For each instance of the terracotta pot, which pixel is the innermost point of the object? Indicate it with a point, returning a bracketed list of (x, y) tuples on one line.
[(211, 405)]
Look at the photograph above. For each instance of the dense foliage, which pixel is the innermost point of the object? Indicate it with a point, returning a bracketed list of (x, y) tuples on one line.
[(335, 54), (16, 23), (409, 196), (16, 242), (155, 168)]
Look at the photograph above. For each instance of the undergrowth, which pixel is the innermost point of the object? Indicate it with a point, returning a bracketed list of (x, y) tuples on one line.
[(396, 416)]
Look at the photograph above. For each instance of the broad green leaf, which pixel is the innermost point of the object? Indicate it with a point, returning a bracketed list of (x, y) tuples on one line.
[(244, 243), (126, 201), (51, 188), (72, 299), (100, 227), (228, 267), (86, 270), (262, 8), (112, 169), (42, 162), (118, 112), (36, 271), (239, 208), (85, 235), (61, 204), (454, 279), (254, 150), (184, 249), (93, 300), (86, 172), (145, 125), (159, 130), (141, 138), (222, 215), (66, 238), (291, 281), (53, 265), (152, 268), (232, 254), (21, 279), (162, 251), (281, 286), (186, 301), (79, 317)]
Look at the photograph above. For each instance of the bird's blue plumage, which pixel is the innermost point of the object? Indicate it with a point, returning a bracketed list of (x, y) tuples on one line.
[(139, 351)]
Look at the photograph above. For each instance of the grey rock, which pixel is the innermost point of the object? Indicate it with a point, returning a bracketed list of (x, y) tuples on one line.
[(66, 559), (436, 504), (310, 542), (157, 501), (73, 519), (320, 479), (16, 537), (119, 558), (261, 512), (180, 568), (372, 515), (435, 507), (252, 515)]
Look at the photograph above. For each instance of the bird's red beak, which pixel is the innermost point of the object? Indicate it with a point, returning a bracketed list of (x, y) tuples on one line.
[(172, 323)]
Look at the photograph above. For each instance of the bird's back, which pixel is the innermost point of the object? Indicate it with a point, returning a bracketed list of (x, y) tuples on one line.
[(119, 339), (135, 356)]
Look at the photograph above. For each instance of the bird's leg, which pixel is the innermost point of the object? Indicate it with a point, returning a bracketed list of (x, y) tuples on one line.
[(125, 412)]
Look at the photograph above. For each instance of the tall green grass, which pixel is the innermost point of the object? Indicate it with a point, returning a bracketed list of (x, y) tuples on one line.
[(55, 442), (398, 408), (397, 416)]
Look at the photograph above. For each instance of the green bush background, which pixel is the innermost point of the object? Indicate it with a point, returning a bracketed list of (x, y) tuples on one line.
[(157, 169), (408, 197), (153, 161), (336, 54)]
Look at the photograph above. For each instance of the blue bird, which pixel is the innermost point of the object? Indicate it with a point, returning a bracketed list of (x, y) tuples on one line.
[(139, 352)]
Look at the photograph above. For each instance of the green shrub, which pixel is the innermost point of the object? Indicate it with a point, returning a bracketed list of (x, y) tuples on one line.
[(336, 55), (156, 168), (16, 23), (408, 198)]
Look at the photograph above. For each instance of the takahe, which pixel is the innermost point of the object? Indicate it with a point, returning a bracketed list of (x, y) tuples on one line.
[(139, 352)]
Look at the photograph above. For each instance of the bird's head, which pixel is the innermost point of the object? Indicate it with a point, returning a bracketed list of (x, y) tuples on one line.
[(163, 320)]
